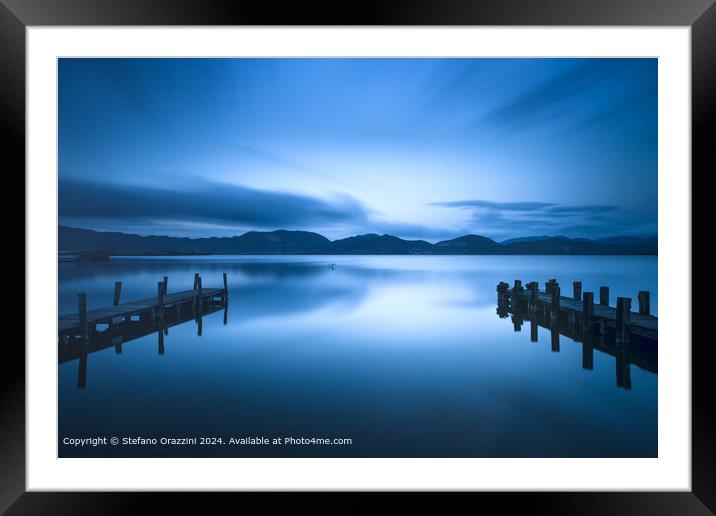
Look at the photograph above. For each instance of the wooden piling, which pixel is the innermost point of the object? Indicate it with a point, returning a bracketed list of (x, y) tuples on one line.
[(117, 292), (644, 302), (587, 310), (166, 284), (196, 280), (533, 287), (555, 300), (577, 290), (623, 320), (199, 297), (226, 288), (533, 330), (604, 296), (160, 342)]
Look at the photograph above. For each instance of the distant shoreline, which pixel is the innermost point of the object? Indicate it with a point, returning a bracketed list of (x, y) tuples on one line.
[(284, 242)]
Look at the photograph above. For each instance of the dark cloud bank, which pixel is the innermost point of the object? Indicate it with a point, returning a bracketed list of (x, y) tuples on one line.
[(120, 206)]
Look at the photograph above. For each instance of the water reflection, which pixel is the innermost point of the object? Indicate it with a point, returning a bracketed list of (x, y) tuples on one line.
[(638, 351), (402, 354)]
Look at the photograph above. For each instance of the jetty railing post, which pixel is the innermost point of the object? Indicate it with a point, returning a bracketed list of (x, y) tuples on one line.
[(502, 299), (517, 292), (226, 288), (644, 302), (604, 296), (623, 320), (587, 310), (199, 296), (166, 284), (160, 303), (577, 290), (195, 304), (555, 302), (533, 287), (117, 292)]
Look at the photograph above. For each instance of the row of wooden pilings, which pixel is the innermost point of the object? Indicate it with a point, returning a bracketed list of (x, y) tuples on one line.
[(552, 288)]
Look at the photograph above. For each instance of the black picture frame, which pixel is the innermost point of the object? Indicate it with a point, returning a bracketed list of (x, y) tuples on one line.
[(700, 15)]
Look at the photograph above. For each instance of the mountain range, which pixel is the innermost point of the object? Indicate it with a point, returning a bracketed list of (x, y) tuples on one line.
[(306, 242)]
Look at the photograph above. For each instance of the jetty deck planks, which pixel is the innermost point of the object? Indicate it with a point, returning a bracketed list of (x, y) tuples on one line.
[(71, 324)]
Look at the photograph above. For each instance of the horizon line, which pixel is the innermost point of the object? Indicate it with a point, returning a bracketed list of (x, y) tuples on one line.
[(641, 237)]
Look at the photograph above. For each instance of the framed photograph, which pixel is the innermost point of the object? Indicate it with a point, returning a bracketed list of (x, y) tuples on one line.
[(446, 248)]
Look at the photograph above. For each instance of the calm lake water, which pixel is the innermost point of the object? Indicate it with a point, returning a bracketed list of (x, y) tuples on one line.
[(404, 355)]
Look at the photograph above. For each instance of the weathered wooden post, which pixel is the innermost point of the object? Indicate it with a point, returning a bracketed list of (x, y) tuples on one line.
[(199, 295), (604, 296), (502, 301), (587, 310), (623, 321), (226, 288), (533, 286), (159, 314), (82, 313), (199, 324), (555, 301), (577, 290), (517, 323), (644, 302), (196, 280), (533, 329), (160, 342), (117, 292), (166, 284)]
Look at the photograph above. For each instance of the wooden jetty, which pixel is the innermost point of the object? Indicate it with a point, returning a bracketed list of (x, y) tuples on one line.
[(630, 337), (85, 322), (580, 309), (79, 334)]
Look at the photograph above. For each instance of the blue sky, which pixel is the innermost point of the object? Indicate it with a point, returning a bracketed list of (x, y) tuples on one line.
[(417, 148)]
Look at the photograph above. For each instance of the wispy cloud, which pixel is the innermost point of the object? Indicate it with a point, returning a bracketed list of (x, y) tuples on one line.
[(527, 218), (504, 206)]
